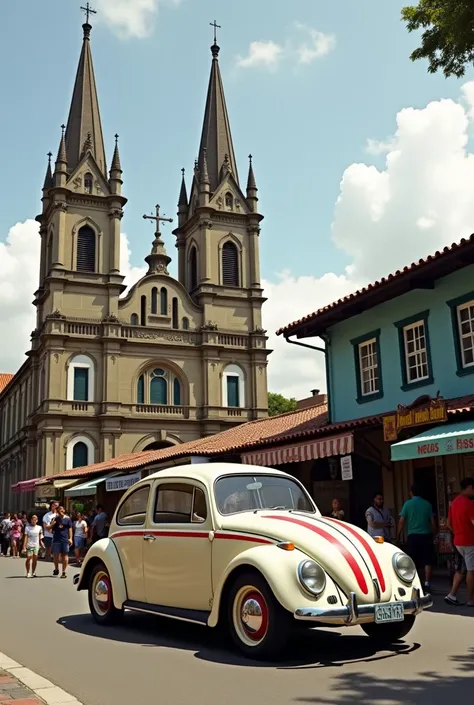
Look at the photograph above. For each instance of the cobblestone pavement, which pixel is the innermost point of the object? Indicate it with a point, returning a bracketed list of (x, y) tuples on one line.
[(12, 689), (20, 686)]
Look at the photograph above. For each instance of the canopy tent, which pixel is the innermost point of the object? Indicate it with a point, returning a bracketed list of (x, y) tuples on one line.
[(448, 439), (88, 489)]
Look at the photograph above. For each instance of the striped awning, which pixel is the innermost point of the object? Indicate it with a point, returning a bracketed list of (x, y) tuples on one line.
[(26, 485), (298, 452)]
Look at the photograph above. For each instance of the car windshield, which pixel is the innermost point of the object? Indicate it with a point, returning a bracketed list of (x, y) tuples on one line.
[(245, 493)]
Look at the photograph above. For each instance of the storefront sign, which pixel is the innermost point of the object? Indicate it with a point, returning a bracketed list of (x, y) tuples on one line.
[(46, 492), (422, 411), (346, 467), (115, 484)]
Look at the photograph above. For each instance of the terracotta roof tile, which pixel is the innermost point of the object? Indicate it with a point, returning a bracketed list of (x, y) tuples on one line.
[(416, 268), (5, 378)]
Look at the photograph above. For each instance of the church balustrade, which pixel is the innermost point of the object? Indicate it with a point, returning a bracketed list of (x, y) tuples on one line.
[(84, 329), (161, 410), (233, 341)]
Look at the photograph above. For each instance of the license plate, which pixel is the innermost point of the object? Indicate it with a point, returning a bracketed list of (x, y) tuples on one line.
[(391, 612)]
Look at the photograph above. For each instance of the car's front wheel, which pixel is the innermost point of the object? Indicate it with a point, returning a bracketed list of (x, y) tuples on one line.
[(258, 623), (389, 633), (101, 599)]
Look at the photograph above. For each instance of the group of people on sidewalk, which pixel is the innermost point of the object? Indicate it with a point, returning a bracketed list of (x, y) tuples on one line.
[(56, 535), (418, 519)]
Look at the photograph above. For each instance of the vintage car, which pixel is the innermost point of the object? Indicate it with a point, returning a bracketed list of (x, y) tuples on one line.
[(246, 547)]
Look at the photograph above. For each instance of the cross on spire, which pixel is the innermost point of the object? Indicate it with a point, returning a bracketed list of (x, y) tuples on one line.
[(89, 11), (216, 27), (158, 218)]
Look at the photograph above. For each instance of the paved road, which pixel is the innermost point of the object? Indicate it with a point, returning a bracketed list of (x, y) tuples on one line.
[(45, 625)]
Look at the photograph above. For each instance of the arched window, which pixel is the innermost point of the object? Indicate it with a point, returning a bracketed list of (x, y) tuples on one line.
[(79, 455), (86, 246), (80, 379), (154, 300), (159, 386), (192, 268), (88, 183), (174, 311), (233, 387), (230, 264), (143, 311), (163, 301), (185, 323), (134, 320), (229, 200)]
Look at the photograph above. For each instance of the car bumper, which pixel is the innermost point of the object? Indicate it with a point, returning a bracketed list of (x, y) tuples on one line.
[(352, 613)]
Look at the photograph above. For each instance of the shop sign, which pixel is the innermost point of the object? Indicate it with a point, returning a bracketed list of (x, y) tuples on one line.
[(45, 492), (116, 484), (424, 410), (346, 467)]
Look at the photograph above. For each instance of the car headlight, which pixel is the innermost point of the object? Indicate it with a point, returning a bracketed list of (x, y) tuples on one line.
[(312, 577), (404, 567)]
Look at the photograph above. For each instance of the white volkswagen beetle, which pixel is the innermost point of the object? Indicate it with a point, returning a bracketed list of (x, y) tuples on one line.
[(244, 546)]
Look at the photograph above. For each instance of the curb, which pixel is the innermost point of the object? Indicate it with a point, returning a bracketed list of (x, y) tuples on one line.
[(20, 686)]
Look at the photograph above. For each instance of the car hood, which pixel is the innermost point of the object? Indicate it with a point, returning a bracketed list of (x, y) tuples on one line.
[(348, 554)]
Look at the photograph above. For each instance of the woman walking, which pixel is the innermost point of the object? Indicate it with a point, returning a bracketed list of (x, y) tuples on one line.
[(15, 535), (32, 542), (80, 537)]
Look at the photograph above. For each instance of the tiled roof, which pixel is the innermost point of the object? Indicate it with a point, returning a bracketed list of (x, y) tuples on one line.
[(235, 438), (439, 264), (5, 378)]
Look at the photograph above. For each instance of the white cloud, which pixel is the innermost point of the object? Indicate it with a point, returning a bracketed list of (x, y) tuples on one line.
[(131, 18), (377, 147), (319, 44), (131, 273), (263, 53)]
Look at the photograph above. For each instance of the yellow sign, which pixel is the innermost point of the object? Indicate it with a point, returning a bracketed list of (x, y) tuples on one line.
[(434, 412)]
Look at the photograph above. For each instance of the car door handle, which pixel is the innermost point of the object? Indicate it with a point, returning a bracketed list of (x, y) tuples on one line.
[(149, 537)]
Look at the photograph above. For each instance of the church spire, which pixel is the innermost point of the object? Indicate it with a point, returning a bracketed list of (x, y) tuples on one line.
[(48, 179), (252, 189), (216, 137), (84, 129), (158, 259)]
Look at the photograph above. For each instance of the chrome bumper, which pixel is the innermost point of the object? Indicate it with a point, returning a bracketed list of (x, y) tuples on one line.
[(353, 613)]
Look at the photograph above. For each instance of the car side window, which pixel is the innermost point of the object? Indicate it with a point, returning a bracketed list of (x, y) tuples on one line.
[(133, 511), (179, 504)]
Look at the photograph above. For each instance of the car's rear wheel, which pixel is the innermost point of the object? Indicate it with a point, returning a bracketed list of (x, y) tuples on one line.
[(101, 598), (259, 625), (389, 633)]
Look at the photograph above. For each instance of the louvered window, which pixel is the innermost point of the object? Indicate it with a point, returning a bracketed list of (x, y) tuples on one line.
[(154, 300), (163, 302), (143, 311), (174, 308), (81, 384), (230, 265), (79, 455), (192, 269), (85, 250)]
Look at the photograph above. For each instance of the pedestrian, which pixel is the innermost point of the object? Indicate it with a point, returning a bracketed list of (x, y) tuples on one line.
[(337, 511), (417, 514), (461, 524), (100, 525), (80, 537), (16, 528), (33, 540), (379, 519), (48, 536), (61, 528), (5, 527)]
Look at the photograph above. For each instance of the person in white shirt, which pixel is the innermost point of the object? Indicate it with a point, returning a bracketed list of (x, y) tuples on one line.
[(32, 541), (80, 537), (48, 535)]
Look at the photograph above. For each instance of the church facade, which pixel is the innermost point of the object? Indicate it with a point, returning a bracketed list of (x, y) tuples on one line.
[(111, 372)]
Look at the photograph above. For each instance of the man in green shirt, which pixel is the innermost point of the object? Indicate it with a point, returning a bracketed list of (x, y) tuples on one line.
[(417, 515)]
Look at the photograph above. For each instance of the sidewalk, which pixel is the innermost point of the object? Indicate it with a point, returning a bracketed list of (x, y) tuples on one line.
[(20, 686)]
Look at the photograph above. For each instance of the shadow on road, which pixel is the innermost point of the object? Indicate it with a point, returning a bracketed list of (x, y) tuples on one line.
[(440, 606), (428, 688), (308, 648)]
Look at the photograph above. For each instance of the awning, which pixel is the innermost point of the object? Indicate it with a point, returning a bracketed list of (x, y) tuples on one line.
[(86, 489), (448, 439), (26, 486), (298, 452)]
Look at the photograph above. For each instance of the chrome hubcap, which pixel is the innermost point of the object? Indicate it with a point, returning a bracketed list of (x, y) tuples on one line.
[(101, 593), (251, 615)]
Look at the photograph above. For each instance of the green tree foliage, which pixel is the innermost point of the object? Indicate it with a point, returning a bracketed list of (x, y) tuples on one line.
[(447, 39), (278, 404)]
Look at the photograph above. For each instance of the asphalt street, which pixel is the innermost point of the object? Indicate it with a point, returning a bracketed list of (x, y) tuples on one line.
[(46, 626)]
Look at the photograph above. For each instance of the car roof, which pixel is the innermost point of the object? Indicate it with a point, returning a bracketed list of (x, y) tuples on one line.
[(208, 472)]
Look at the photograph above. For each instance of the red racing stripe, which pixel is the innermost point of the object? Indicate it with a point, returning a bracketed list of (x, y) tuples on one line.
[(193, 535), (335, 542), (241, 537), (367, 547)]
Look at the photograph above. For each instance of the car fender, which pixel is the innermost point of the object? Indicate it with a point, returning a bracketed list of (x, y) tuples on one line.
[(105, 551), (280, 569)]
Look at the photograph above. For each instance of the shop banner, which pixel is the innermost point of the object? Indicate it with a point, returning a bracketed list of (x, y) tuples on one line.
[(116, 484), (447, 440), (46, 492), (419, 413), (346, 467)]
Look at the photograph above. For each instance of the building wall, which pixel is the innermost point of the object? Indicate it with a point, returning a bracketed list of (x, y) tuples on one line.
[(343, 384)]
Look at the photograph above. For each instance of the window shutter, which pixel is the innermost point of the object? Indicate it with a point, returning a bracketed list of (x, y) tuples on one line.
[(230, 265), (192, 269), (141, 391), (233, 392), (85, 250), (79, 455), (176, 392), (158, 390), (81, 384)]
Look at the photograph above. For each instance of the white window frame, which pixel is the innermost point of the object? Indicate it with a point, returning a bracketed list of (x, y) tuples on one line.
[(70, 450), (233, 371), (416, 324), (372, 368), (84, 362), (461, 336)]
